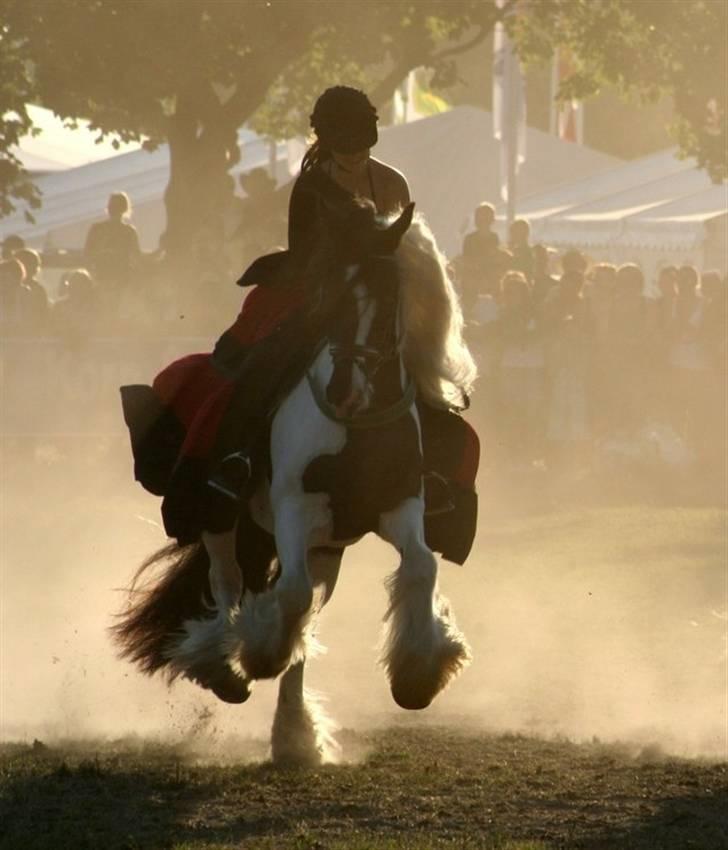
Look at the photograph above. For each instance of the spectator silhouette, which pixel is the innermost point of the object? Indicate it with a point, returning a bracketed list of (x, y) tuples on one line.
[(521, 376), (74, 313), (112, 251), (543, 281), (518, 238), (478, 257), (35, 306), (12, 297), (10, 244)]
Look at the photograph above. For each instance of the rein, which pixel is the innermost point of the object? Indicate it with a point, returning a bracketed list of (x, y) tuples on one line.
[(376, 418)]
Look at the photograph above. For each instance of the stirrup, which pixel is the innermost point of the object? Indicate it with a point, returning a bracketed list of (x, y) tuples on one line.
[(443, 501), (234, 471)]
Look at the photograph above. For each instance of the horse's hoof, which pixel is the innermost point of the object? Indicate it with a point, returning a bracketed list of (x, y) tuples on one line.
[(411, 701), (223, 681), (231, 688)]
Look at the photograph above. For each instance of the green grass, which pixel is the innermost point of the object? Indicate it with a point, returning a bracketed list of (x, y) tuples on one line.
[(422, 790)]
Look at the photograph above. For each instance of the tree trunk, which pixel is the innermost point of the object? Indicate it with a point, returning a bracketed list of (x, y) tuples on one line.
[(200, 188)]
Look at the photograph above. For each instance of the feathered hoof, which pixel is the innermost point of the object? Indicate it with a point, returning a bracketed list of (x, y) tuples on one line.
[(417, 681), (222, 680), (411, 701)]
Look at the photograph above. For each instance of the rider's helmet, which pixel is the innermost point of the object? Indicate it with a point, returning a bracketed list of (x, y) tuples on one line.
[(344, 121)]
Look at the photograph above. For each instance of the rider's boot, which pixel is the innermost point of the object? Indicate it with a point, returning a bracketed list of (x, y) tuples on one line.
[(231, 476)]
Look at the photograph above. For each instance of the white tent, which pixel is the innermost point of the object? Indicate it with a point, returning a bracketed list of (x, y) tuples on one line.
[(58, 146), (654, 210), (451, 161)]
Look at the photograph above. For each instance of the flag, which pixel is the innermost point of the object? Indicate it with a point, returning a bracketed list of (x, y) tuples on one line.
[(413, 99), (567, 118), (509, 105)]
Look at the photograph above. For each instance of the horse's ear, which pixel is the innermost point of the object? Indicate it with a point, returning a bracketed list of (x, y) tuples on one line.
[(394, 233)]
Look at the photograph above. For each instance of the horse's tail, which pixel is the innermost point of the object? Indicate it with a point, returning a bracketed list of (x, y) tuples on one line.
[(159, 605)]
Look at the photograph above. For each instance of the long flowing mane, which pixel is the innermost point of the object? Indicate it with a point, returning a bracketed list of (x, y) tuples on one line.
[(435, 352)]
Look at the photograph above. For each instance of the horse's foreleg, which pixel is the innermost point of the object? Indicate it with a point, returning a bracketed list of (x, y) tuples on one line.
[(423, 649), (271, 625), (302, 733)]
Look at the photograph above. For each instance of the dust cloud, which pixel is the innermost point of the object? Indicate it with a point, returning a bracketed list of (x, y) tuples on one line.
[(585, 622)]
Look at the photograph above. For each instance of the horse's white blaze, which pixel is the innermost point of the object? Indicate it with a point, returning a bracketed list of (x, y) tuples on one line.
[(361, 391)]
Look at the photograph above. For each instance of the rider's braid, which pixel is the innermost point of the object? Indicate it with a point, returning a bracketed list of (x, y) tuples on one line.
[(344, 120)]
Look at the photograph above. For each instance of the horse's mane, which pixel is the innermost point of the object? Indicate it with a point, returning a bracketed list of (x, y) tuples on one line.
[(435, 353)]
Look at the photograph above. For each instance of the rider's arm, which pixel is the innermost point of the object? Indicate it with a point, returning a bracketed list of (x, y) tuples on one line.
[(302, 212)]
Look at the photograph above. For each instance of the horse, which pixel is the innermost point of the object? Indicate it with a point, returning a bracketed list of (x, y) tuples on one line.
[(344, 458)]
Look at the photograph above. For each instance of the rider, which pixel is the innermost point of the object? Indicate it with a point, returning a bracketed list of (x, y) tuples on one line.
[(345, 124)]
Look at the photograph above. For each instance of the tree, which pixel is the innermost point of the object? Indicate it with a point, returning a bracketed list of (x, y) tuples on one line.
[(191, 73), (15, 91), (647, 49)]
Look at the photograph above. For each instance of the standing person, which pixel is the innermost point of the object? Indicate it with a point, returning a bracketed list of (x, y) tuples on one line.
[(660, 319), (627, 351), (689, 362), (567, 328), (543, 281), (520, 247), (479, 248), (12, 297), (36, 306), (521, 372), (112, 252), (600, 304)]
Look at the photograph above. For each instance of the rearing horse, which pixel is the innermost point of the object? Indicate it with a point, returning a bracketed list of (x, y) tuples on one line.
[(345, 458)]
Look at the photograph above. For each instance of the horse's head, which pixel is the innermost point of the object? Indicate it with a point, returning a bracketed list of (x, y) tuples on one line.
[(364, 337)]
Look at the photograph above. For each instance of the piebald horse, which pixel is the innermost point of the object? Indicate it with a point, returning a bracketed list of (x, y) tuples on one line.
[(345, 458)]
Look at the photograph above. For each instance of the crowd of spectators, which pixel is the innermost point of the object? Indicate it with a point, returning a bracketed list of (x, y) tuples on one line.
[(576, 357), (112, 287)]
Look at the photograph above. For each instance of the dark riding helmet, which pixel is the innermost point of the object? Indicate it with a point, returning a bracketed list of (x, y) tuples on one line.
[(344, 120)]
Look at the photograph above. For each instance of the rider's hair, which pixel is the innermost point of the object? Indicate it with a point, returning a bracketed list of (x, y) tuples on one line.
[(342, 118)]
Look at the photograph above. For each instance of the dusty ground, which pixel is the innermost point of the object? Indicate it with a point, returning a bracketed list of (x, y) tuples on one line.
[(591, 612), (412, 789)]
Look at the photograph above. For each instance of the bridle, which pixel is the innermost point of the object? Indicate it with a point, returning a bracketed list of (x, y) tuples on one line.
[(369, 359)]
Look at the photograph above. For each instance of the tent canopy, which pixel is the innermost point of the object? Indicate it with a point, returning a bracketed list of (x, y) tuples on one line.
[(451, 162)]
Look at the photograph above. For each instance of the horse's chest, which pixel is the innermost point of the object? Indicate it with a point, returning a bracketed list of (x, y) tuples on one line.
[(374, 472)]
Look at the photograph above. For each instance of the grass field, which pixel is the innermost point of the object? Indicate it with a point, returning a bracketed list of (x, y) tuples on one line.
[(426, 789), (599, 637)]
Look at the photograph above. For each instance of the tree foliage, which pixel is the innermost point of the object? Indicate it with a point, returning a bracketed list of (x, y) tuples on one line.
[(647, 49), (15, 91), (191, 73)]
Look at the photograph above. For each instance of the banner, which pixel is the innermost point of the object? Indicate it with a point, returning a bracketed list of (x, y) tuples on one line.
[(509, 108)]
